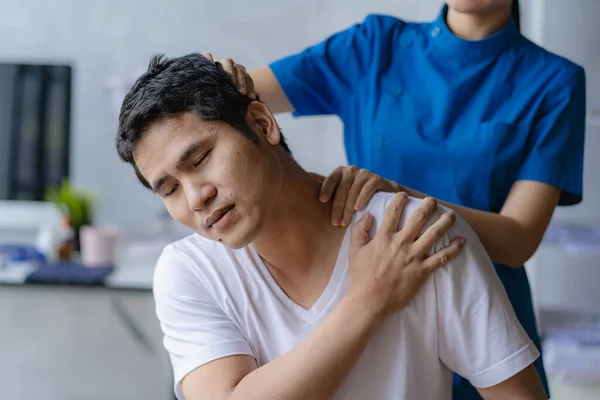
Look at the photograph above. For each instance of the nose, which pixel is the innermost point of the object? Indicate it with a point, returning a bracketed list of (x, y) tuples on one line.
[(199, 195)]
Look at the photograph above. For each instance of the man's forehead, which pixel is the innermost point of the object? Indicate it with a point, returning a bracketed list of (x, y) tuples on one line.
[(168, 140), (154, 147)]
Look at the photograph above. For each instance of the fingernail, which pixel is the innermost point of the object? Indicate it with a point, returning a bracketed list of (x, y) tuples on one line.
[(323, 198), (335, 222), (462, 241)]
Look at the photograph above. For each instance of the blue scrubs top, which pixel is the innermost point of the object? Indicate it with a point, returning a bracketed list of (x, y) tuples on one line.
[(458, 120)]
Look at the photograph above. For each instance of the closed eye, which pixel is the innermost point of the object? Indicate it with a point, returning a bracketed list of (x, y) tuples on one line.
[(202, 158), (196, 164), (170, 192)]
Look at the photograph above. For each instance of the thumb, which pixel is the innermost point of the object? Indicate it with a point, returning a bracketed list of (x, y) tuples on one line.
[(209, 57), (359, 236)]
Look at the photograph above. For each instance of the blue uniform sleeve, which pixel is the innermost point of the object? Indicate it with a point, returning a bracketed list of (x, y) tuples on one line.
[(554, 153), (320, 79)]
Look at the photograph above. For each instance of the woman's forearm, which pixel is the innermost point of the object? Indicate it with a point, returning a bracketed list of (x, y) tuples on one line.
[(505, 240)]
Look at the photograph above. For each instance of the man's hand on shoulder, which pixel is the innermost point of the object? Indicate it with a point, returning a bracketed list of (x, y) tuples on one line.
[(387, 271)]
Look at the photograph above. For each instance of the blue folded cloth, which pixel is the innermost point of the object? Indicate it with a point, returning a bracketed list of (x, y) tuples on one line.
[(69, 273), (16, 252)]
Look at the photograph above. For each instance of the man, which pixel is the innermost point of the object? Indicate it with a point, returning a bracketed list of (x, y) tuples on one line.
[(269, 300)]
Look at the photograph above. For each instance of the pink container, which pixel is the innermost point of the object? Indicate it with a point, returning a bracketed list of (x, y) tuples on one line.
[(98, 245)]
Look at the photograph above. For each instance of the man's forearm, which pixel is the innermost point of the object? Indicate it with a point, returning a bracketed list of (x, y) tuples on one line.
[(316, 367)]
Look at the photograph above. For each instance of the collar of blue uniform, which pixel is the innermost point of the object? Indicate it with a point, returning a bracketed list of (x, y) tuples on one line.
[(447, 43)]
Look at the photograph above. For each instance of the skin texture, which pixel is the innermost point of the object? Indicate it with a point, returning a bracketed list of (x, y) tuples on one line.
[(225, 170)]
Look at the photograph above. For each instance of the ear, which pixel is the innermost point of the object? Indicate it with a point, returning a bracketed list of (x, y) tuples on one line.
[(262, 121)]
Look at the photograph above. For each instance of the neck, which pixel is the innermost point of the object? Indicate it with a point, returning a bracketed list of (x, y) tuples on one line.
[(476, 26), (298, 235)]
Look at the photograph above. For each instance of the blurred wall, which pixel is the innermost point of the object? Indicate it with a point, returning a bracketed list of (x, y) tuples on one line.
[(571, 28)]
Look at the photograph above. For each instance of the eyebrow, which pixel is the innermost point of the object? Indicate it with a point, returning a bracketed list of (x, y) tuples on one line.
[(156, 185), (185, 156)]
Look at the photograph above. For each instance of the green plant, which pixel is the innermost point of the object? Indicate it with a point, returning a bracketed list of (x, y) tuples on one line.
[(77, 205)]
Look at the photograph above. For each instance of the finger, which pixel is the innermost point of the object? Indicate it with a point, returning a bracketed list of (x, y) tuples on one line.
[(367, 191), (340, 197), (250, 91), (431, 236), (442, 257), (350, 206), (209, 57), (417, 220), (228, 66), (359, 236), (329, 185), (240, 80), (391, 217)]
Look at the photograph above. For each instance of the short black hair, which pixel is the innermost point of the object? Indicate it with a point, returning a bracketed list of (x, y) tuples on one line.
[(173, 86), (515, 12)]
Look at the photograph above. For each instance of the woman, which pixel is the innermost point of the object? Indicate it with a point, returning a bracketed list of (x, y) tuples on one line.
[(464, 109)]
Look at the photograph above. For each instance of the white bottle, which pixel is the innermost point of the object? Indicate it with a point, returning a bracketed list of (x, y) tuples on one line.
[(48, 242)]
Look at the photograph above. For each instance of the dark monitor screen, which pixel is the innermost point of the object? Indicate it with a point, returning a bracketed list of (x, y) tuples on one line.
[(35, 129)]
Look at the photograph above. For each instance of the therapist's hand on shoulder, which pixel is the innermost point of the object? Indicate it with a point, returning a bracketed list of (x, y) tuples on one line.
[(388, 271), (351, 189)]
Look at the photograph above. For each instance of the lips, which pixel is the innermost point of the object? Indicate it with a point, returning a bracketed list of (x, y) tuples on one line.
[(217, 215)]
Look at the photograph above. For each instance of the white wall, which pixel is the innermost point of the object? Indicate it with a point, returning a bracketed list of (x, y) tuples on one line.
[(571, 28), (559, 277), (115, 38), (107, 38)]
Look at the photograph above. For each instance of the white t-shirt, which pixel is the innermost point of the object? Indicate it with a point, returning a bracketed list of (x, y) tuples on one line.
[(213, 302)]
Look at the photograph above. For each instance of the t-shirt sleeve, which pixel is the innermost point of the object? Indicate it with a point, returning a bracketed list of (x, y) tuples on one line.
[(321, 79), (554, 152), (480, 337), (196, 330)]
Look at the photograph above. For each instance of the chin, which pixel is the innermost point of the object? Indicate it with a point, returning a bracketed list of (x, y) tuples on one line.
[(468, 6), (235, 245), (237, 238), (234, 242)]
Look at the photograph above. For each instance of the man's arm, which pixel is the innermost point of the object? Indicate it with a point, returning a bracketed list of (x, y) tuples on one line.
[(385, 273), (312, 370), (525, 385), (480, 337)]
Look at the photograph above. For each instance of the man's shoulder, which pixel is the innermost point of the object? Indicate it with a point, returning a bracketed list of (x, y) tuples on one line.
[(379, 202), (193, 244), (192, 248), (190, 262)]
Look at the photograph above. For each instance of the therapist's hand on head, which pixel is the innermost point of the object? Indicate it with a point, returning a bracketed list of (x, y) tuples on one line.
[(238, 73), (351, 189)]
